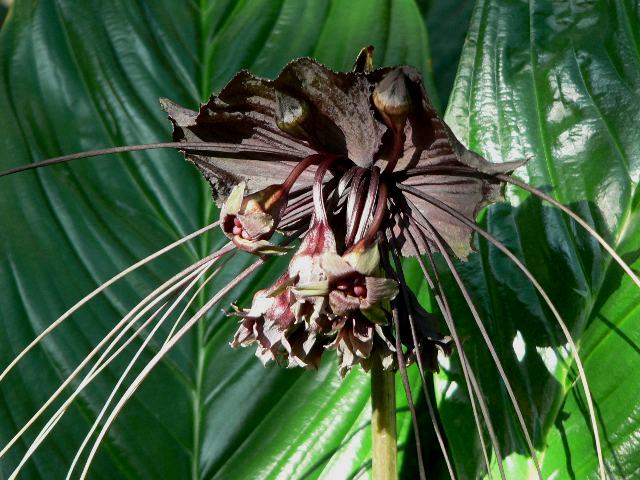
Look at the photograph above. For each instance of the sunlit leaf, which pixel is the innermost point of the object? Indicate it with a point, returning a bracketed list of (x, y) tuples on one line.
[(82, 75), (557, 83)]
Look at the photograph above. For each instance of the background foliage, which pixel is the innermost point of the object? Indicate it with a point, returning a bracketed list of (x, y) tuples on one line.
[(555, 82)]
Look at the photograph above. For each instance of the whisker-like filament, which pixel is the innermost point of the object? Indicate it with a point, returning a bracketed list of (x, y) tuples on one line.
[(485, 335), (59, 413), (148, 302), (302, 201), (491, 349), (421, 369), (100, 289), (201, 287), (101, 365), (142, 347), (402, 366), (450, 170), (475, 393), (563, 326), (402, 363), (159, 355), (467, 373), (220, 148), (610, 250)]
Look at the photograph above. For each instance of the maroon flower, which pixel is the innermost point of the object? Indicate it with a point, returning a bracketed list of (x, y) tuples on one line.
[(267, 321), (250, 220), (343, 161)]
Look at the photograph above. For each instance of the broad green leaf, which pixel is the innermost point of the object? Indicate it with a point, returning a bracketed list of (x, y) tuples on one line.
[(447, 24), (557, 83), (78, 75)]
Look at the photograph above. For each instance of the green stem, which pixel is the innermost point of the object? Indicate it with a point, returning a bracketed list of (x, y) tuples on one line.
[(383, 424)]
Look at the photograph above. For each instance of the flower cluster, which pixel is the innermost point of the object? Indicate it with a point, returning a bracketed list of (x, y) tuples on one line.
[(355, 166), (324, 301)]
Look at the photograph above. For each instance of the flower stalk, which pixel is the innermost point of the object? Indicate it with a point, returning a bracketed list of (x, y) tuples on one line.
[(383, 423)]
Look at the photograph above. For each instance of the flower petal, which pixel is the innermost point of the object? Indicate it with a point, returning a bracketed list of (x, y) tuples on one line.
[(260, 247), (242, 120), (341, 108), (342, 304), (376, 314), (233, 203), (256, 224), (245, 335), (380, 289), (305, 264), (365, 261), (311, 289), (335, 266)]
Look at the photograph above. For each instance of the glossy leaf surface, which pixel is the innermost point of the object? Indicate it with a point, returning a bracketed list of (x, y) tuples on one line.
[(557, 83), (83, 75)]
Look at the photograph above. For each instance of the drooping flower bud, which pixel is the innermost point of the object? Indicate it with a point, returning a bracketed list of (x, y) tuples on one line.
[(355, 282), (292, 115), (428, 340), (305, 268), (268, 321), (249, 221), (391, 98)]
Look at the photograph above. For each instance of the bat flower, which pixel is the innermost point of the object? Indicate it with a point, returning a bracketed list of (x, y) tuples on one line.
[(354, 282), (347, 162), (360, 169), (365, 173), (376, 127)]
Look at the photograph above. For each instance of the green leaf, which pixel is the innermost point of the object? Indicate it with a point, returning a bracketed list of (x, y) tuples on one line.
[(557, 83), (447, 23), (82, 75)]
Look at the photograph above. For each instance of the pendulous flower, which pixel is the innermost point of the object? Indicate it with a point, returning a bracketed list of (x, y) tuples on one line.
[(250, 220), (362, 170), (356, 282), (352, 164)]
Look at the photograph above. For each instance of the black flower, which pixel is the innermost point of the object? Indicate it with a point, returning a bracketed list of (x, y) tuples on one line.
[(343, 161)]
